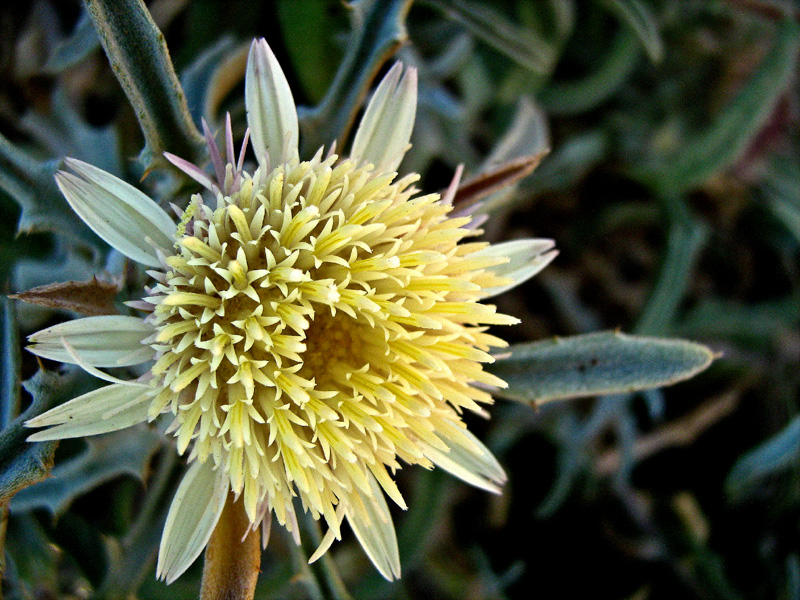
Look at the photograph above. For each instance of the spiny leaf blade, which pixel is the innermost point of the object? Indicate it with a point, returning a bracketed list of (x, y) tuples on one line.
[(105, 458), (22, 463), (31, 184)]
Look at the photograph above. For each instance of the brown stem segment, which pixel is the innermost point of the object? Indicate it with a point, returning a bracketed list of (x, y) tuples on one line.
[(232, 564)]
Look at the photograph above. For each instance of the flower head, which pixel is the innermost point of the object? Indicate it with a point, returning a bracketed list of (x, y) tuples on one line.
[(311, 326)]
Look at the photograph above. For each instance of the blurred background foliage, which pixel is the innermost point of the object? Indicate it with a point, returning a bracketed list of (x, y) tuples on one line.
[(672, 189)]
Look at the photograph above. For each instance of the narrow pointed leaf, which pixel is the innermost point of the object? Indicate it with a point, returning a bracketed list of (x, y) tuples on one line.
[(636, 15), (93, 297), (613, 69), (596, 364), (727, 138), (521, 44), (140, 60), (776, 454), (113, 341), (686, 237), (193, 515)]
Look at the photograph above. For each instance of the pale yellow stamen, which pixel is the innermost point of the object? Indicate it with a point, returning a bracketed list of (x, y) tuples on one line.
[(316, 328)]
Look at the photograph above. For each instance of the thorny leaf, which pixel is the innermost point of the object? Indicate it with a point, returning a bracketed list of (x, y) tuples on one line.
[(31, 184), (105, 458), (22, 463)]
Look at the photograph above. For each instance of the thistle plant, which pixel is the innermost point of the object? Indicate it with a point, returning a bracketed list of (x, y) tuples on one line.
[(310, 325), (311, 322)]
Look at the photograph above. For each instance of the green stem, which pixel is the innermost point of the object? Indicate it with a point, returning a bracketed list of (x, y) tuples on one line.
[(378, 33), (305, 574), (139, 57), (334, 585)]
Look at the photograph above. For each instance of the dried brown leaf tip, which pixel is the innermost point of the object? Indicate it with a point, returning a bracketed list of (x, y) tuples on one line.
[(496, 178), (93, 297)]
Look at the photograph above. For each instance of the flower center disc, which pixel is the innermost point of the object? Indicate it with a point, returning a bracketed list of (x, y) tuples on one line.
[(316, 326), (332, 342)]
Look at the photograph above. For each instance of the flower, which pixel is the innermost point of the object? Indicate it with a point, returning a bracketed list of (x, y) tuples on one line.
[(310, 327)]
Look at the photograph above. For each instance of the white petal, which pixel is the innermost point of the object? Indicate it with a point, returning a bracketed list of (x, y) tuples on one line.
[(108, 409), (468, 459), (377, 536), (328, 538), (450, 193), (194, 513), (113, 341), (119, 213), (271, 113), (526, 259), (385, 130)]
